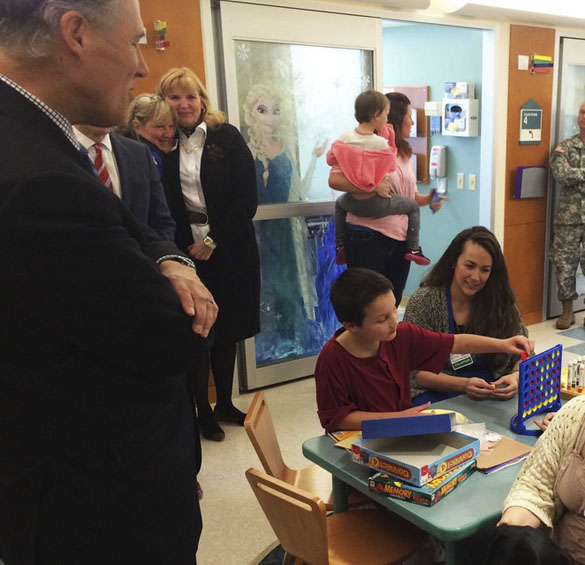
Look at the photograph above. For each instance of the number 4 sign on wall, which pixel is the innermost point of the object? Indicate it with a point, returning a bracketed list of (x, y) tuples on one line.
[(530, 123)]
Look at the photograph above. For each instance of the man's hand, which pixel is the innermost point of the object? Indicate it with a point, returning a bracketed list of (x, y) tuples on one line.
[(196, 300), (509, 390), (200, 251)]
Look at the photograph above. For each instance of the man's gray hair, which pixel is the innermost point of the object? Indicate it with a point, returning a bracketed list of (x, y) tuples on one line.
[(28, 27)]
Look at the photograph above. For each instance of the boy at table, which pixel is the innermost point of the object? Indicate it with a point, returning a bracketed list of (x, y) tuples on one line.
[(362, 372)]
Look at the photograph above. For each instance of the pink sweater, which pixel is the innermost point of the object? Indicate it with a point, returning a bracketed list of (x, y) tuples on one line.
[(402, 181), (363, 168)]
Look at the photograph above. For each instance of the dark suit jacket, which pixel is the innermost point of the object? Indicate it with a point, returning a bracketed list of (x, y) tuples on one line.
[(98, 443), (142, 190), (228, 178)]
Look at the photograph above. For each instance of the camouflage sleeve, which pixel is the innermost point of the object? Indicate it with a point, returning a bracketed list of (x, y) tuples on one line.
[(561, 168)]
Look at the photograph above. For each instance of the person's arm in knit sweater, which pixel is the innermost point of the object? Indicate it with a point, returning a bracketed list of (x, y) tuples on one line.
[(531, 500)]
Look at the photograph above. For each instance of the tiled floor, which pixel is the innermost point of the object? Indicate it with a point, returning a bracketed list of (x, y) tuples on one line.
[(573, 340), (235, 530)]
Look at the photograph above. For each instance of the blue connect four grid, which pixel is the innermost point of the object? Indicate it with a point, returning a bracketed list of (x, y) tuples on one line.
[(539, 388)]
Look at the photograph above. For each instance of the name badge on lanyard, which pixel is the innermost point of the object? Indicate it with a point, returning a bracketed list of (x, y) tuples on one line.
[(460, 360)]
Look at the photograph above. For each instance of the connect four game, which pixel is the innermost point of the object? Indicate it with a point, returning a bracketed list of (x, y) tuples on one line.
[(539, 388)]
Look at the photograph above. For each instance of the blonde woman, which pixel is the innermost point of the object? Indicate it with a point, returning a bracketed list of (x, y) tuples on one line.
[(152, 121), (210, 186)]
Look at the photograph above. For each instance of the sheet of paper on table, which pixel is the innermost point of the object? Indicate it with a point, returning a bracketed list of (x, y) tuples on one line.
[(345, 439)]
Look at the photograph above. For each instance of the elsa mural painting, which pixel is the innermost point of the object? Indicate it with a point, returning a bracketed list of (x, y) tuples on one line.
[(289, 267)]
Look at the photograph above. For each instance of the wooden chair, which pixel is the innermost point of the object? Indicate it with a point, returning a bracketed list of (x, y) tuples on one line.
[(368, 537), (313, 479)]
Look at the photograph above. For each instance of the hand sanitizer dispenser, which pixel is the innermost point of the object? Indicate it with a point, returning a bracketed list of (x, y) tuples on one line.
[(438, 167)]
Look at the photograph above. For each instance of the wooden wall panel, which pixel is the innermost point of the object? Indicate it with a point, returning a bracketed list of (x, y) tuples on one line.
[(184, 32), (525, 219), (520, 262)]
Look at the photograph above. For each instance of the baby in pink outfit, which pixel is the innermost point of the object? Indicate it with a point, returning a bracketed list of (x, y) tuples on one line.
[(365, 155)]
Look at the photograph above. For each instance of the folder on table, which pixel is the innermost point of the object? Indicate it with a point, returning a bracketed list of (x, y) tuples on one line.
[(506, 452)]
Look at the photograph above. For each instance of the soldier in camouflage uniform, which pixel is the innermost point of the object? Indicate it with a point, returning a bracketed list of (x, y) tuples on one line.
[(567, 164)]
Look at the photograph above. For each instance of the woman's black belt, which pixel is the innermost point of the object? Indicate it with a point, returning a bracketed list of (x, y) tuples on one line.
[(197, 218)]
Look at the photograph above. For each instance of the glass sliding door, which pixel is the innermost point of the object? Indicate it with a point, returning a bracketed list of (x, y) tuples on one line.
[(291, 99), (297, 258)]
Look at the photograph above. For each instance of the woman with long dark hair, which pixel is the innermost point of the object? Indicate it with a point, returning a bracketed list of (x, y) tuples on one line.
[(388, 243), (403, 181), (468, 291)]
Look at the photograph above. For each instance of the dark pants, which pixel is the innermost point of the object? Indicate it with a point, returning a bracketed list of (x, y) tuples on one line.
[(221, 359), (370, 249)]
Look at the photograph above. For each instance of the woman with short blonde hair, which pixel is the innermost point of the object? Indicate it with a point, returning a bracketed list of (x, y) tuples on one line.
[(152, 121), (148, 107)]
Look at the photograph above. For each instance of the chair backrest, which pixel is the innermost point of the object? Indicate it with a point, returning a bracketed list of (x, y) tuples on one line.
[(258, 424), (296, 516)]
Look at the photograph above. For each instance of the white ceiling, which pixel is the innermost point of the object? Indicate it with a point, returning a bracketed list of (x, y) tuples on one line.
[(544, 12)]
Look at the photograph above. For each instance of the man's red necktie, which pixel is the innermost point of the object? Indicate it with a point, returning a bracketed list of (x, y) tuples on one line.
[(100, 167)]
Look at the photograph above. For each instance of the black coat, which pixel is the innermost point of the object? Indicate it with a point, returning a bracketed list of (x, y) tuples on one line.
[(232, 274), (98, 443)]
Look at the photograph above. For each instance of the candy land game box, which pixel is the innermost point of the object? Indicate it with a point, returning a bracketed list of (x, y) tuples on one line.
[(426, 495)]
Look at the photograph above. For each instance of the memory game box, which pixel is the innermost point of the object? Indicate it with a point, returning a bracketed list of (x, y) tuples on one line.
[(428, 494)]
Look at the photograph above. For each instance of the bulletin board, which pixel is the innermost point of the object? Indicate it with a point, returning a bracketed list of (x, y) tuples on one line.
[(418, 95)]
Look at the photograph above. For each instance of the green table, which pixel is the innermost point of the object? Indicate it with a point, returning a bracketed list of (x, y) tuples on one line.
[(474, 504)]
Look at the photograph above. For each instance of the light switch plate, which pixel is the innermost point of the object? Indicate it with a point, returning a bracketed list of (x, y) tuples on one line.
[(472, 182), (460, 181)]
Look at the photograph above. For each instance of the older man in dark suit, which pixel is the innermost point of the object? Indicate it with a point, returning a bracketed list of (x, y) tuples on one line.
[(130, 173), (98, 444)]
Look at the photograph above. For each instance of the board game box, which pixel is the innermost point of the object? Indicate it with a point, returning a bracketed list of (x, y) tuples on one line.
[(416, 459), (426, 495)]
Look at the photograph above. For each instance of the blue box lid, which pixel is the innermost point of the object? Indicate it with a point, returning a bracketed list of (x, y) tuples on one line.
[(407, 426)]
